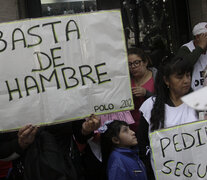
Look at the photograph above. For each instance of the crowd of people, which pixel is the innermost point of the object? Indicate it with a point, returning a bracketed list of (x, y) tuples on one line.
[(114, 150)]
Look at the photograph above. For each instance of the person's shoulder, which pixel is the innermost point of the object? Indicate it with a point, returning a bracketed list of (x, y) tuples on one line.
[(114, 159), (183, 48), (117, 155), (187, 47), (148, 102), (154, 71), (187, 44), (114, 155), (146, 108)]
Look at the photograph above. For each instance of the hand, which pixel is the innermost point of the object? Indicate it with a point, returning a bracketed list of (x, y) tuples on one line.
[(91, 124), (139, 91), (201, 41), (26, 135)]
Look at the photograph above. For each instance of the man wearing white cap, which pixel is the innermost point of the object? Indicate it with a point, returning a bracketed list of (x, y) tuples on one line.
[(196, 50)]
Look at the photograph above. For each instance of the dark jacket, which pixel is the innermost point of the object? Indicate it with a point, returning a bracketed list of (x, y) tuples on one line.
[(191, 56), (124, 163)]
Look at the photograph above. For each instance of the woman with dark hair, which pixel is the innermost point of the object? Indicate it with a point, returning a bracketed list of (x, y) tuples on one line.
[(166, 108), (142, 80), (119, 152)]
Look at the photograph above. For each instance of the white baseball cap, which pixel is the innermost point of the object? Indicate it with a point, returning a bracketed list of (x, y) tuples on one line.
[(200, 28)]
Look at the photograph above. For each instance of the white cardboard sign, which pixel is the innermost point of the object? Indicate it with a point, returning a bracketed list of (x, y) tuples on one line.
[(180, 152), (61, 68)]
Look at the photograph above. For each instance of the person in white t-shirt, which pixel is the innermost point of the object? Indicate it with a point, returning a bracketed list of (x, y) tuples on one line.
[(195, 51), (166, 108)]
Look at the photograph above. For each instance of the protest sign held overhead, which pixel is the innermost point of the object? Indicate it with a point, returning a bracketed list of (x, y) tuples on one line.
[(179, 152), (62, 68)]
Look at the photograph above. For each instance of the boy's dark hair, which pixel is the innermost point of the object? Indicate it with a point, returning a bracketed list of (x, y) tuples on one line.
[(170, 65)]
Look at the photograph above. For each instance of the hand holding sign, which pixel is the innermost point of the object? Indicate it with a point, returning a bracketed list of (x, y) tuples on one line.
[(26, 136), (91, 124)]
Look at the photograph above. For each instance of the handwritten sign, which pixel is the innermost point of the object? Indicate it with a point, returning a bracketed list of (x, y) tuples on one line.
[(62, 68), (180, 152)]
